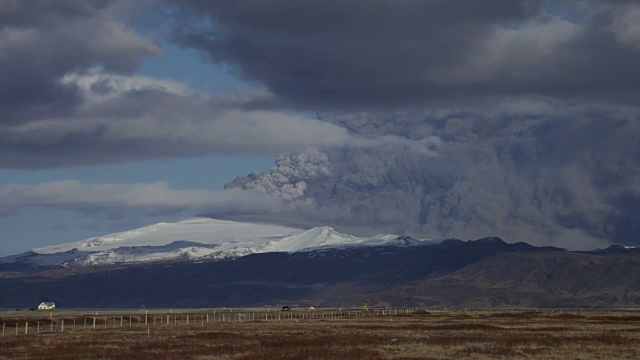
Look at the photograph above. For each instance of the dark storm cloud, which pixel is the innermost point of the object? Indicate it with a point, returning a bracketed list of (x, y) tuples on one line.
[(69, 95), (35, 12), (41, 41), (379, 53)]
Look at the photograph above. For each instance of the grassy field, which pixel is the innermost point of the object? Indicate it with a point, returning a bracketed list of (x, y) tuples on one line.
[(423, 335)]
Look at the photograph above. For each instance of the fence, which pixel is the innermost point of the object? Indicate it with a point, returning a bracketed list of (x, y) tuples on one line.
[(19, 326)]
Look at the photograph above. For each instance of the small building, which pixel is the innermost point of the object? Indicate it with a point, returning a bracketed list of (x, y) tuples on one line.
[(47, 306)]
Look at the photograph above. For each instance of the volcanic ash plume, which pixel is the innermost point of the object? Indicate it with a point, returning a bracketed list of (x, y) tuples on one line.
[(288, 178), (568, 178)]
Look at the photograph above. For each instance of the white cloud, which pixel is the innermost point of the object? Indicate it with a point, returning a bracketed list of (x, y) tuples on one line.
[(97, 85), (626, 25), (518, 53), (136, 117), (119, 200)]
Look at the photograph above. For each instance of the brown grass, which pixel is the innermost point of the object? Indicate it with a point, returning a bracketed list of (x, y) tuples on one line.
[(435, 335)]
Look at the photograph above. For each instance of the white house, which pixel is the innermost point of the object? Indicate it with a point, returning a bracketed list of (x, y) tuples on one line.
[(47, 306)]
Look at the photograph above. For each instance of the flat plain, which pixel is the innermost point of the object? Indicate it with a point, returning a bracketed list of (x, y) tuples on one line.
[(422, 334)]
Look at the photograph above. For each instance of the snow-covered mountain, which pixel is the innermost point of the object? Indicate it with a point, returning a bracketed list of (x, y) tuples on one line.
[(197, 239)]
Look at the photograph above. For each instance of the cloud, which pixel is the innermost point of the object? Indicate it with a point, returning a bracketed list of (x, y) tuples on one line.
[(69, 96), (343, 55), (516, 118), (121, 200), (96, 85), (135, 117), (288, 178), (43, 41), (529, 171), (625, 24)]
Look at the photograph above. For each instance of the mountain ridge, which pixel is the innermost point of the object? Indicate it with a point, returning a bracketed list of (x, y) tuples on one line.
[(196, 239), (381, 271), (453, 273)]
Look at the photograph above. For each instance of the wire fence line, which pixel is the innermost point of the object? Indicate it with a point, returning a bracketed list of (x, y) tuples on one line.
[(71, 323)]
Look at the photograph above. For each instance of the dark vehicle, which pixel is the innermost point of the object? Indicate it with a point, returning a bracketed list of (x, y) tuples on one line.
[(285, 308)]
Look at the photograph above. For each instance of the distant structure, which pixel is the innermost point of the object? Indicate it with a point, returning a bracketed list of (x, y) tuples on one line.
[(47, 306)]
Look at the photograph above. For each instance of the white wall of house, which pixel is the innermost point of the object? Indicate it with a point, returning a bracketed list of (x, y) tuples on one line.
[(46, 306)]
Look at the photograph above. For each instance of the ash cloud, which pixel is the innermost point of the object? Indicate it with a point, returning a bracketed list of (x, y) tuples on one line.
[(498, 171), (288, 178), (527, 111)]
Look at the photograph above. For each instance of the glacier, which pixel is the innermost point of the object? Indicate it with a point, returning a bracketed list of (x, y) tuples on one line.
[(198, 239)]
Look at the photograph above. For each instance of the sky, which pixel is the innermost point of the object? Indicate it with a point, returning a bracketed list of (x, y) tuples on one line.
[(434, 119)]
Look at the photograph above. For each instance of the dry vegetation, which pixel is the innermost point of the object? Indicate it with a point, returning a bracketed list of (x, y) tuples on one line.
[(423, 335)]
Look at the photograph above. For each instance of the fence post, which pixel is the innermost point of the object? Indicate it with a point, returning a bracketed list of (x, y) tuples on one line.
[(62, 326), (3, 324), (38, 326), (26, 328), (94, 323), (51, 326)]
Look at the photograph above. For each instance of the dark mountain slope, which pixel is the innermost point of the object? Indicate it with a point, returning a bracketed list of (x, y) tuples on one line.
[(483, 273)]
